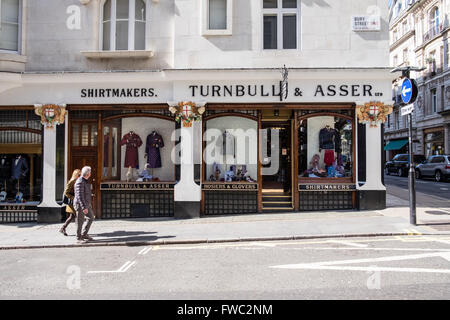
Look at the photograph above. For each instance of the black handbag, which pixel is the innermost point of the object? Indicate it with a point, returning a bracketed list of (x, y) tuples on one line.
[(67, 200)]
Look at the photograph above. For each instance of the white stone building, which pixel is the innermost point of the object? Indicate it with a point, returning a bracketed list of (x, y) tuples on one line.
[(116, 66), (419, 37)]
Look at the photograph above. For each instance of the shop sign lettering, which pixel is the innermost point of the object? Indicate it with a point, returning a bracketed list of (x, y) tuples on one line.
[(119, 93), (326, 187), (15, 208), (136, 186), (253, 90), (231, 186)]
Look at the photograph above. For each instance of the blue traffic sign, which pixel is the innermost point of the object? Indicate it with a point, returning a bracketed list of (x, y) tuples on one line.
[(408, 91)]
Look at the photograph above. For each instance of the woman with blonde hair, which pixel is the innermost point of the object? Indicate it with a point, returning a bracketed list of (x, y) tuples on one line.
[(69, 192)]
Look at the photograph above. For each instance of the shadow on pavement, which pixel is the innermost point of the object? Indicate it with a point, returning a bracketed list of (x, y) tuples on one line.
[(438, 212), (127, 236)]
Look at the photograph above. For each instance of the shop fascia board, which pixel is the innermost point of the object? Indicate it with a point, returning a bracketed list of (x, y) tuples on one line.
[(271, 74), (93, 77), (207, 75)]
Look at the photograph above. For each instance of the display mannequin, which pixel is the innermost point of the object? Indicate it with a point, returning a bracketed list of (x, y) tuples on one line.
[(19, 170), (152, 149), (329, 140), (132, 142)]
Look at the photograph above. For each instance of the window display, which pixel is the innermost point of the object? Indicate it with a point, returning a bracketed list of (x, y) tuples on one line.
[(231, 149), (128, 159), (152, 153), (325, 147)]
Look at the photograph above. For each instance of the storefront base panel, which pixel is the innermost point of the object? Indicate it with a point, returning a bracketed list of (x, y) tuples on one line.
[(326, 200), (49, 215), (136, 204), (230, 202), (187, 209), (18, 213), (371, 199)]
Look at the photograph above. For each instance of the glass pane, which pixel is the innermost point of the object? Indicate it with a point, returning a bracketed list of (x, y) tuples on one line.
[(140, 10), (233, 142), (105, 151), (217, 14), (289, 3), (85, 135), (289, 32), (270, 4), (9, 36), (270, 32), (325, 147), (122, 35), (107, 36), (10, 10), (107, 11), (75, 135), (94, 135), (122, 9), (139, 36), (114, 153)]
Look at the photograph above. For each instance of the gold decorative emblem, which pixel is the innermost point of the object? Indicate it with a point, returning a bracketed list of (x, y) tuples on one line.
[(373, 112), (50, 114), (187, 112)]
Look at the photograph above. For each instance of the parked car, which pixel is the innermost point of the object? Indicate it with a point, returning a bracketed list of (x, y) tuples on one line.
[(399, 164), (437, 166)]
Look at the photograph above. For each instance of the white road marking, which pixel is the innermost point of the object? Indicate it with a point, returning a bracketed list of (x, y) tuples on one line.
[(127, 265), (372, 269), (347, 243), (444, 189), (340, 264), (145, 251)]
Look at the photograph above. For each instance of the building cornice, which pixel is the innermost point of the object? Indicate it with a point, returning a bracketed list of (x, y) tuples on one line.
[(402, 39)]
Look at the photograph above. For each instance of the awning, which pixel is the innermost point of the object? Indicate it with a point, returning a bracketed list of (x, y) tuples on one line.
[(396, 144)]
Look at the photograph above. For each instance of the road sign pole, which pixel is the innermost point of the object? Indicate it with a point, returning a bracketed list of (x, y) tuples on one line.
[(411, 177)]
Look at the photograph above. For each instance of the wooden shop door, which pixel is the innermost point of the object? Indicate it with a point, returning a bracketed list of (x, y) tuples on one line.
[(84, 152)]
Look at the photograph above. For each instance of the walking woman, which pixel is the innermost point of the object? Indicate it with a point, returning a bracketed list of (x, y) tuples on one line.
[(69, 192)]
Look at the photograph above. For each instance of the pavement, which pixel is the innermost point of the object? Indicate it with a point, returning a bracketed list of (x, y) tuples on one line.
[(275, 226)]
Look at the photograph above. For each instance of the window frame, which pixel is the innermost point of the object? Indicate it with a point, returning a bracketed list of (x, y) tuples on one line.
[(228, 31), (279, 12), (131, 25), (19, 30)]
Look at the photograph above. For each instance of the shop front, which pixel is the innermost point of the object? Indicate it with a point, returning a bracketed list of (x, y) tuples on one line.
[(164, 145), (434, 142)]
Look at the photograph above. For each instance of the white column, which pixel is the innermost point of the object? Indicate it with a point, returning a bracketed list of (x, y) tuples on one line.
[(373, 159), (186, 189), (49, 169)]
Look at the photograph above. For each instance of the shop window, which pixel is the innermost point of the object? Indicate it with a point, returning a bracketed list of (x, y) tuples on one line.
[(217, 17), (138, 149), (10, 21), (123, 25), (433, 100), (434, 143), (280, 24), (231, 151), (20, 157), (325, 147)]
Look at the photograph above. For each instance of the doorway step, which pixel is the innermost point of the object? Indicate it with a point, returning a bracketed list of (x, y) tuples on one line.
[(276, 201)]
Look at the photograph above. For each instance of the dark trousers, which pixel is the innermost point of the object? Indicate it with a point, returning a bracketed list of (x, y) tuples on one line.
[(80, 220), (72, 217)]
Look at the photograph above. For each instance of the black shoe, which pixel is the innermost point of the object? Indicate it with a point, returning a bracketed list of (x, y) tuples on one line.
[(63, 231), (86, 237)]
